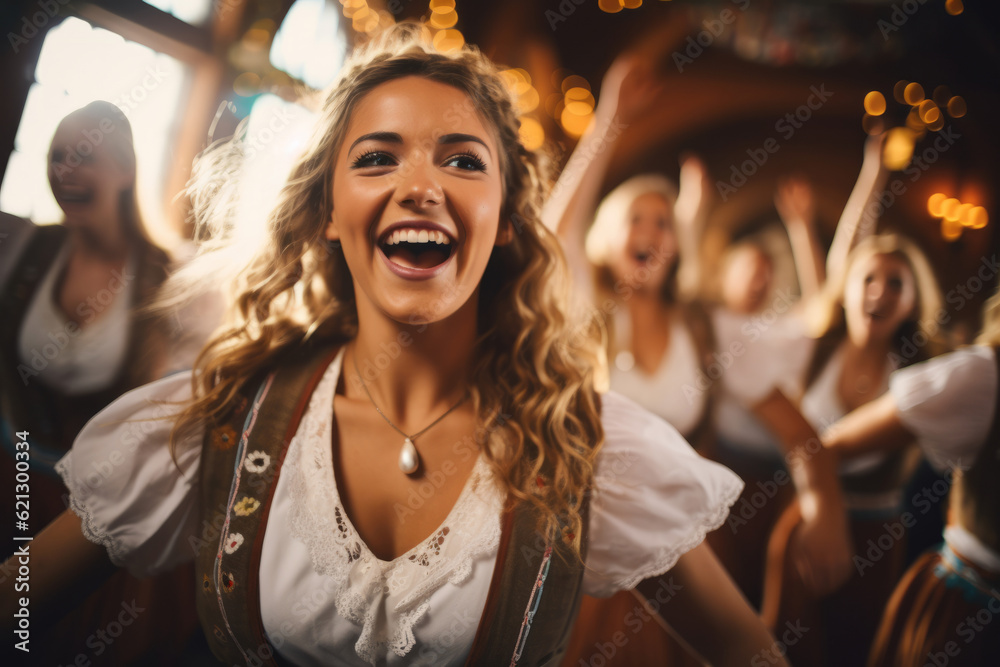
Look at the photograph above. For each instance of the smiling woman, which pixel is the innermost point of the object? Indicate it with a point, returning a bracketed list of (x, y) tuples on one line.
[(394, 248), (430, 201)]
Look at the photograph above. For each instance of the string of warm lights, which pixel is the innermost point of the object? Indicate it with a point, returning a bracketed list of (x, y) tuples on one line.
[(925, 114), (956, 215)]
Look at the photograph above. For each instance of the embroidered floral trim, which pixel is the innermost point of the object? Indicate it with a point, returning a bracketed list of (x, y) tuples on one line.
[(385, 598), (206, 584), (233, 542), (228, 582), (257, 462), (246, 506), (224, 437)]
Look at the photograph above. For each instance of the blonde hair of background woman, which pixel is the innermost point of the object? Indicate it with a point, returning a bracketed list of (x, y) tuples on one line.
[(532, 360)]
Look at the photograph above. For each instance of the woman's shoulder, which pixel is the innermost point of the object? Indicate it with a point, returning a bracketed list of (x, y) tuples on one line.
[(133, 492), (655, 498), (632, 432), (948, 402), (15, 235)]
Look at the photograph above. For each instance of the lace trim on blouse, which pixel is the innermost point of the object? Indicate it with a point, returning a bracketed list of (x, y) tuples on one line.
[(89, 527), (666, 557), (386, 598)]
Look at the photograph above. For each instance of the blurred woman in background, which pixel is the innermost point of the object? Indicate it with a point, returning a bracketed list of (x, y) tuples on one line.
[(949, 406), (73, 338), (867, 323)]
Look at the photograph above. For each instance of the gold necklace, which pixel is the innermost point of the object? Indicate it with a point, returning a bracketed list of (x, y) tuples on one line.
[(409, 458)]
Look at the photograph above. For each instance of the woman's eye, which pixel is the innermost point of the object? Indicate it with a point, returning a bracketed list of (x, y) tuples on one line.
[(372, 159), (896, 283), (466, 162)]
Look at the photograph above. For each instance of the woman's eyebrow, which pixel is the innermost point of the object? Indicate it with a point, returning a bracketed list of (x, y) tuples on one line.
[(390, 137), (457, 138), (395, 138)]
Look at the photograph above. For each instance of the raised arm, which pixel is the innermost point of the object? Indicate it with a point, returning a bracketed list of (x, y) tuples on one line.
[(627, 90), (705, 611), (62, 569), (796, 208), (822, 552), (875, 426), (690, 215), (857, 221)]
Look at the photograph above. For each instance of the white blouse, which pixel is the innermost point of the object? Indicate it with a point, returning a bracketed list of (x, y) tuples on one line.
[(822, 407), (325, 598), (754, 355), (672, 391), (73, 359), (949, 403)]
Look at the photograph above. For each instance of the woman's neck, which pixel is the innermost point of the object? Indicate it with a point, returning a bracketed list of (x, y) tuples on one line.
[(413, 372), (872, 355), (646, 306), (110, 248)]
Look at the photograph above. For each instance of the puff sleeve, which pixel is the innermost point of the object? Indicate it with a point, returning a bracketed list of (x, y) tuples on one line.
[(130, 495), (655, 499), (948, 403)]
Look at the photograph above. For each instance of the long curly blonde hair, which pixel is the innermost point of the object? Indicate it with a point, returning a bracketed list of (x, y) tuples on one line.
[(533, 360)]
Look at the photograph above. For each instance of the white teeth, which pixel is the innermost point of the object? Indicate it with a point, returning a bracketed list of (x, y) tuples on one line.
[(417, 236)]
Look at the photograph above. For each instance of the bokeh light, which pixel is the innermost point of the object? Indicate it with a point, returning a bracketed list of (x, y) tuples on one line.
[(913, 93), (875, 103), (950, 230), (531, 133), (949, 209), (899, 89), (934, 203), (898, 148), (978, 218), (956, 107)]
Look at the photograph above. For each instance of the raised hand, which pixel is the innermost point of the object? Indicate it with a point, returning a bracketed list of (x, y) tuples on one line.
[(695, 184), (794, 201), (629, 89)]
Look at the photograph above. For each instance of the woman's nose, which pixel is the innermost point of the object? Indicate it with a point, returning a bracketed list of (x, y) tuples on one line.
[(418, 186), (877, 291)]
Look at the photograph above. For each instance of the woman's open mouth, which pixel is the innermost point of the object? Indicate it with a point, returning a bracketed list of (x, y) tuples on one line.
[(415, 251), (73, 195)]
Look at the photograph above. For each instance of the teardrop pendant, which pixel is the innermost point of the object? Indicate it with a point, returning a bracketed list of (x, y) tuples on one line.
[(409, 459)]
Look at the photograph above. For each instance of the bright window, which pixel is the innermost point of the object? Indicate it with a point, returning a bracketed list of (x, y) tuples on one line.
[(309, 45)]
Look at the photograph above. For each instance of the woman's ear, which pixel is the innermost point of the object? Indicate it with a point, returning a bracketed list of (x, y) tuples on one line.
[(332, 232)]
